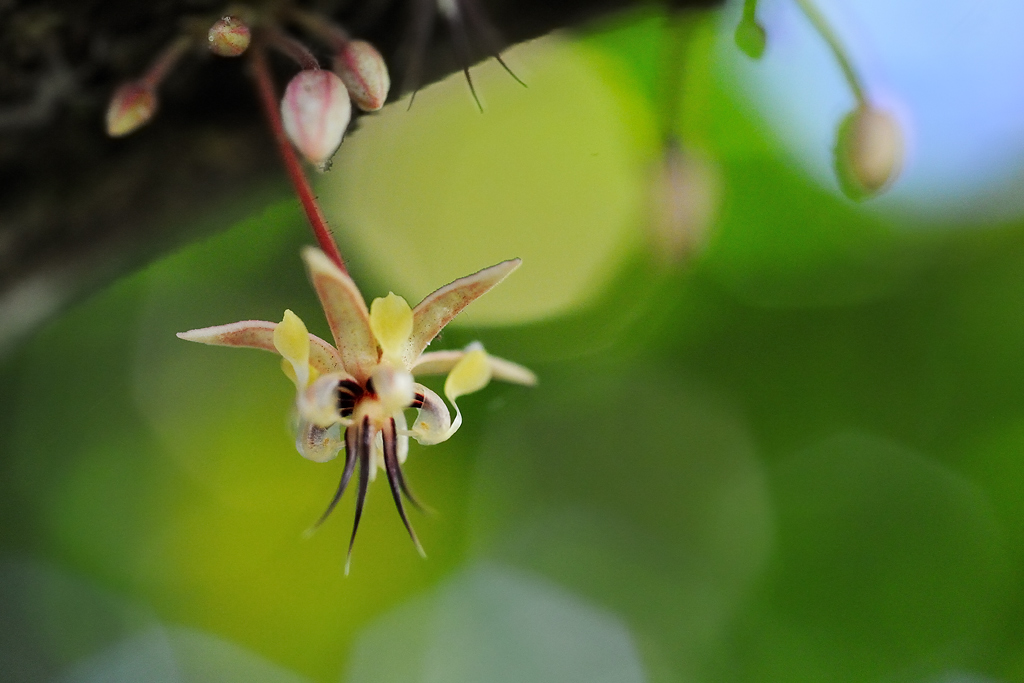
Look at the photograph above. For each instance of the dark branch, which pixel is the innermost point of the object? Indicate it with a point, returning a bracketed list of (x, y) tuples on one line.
[(78, 209)]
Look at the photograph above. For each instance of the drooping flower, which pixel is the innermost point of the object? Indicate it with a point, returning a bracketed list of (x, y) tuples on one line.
[(353, 395)]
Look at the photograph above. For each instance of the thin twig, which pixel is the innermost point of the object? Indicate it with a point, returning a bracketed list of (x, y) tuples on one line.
[(290, 47), (268, 98), (823, 28), (166, 61)]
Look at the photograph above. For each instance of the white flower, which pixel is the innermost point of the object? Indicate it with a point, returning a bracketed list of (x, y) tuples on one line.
[(353, 395)]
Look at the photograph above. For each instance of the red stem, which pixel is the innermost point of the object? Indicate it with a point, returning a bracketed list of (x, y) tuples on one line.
[(165, 61), (291, 48), (268, 98), (323, 27)]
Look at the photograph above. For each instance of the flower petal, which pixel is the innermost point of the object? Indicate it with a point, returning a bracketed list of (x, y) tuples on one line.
[(440, 362), (291, 339), (438, 309), (507, 371), (317, 443), (346, 314), (318, 403), (472, 373), (259, 334), (437, 362), (391, 323), (433, 421)]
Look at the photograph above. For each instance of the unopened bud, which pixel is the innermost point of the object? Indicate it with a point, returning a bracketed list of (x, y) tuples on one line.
[(229, 37), (132, 105), (869, 151), (315, 112), (750, 37), (686, 191), (364, 73)]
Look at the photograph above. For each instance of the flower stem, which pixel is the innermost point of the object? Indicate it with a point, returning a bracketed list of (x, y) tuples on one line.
[(321, 26), (823, 28), (290, 47), (269, 101), (165, 62)]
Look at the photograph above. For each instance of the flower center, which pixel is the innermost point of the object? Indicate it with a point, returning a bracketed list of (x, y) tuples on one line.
[(387, 391)]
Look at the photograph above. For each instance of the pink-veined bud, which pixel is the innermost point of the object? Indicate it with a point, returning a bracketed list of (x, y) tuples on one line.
[(229, 37), (686, 193), (131, 106), (364, 73), (315, 111), (869, 151)]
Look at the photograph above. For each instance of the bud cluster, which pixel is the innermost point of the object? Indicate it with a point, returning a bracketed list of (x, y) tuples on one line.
[(317, 104)]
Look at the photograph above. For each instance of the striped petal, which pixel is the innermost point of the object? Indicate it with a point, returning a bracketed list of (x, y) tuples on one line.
[(433, 421), (259, 334), (440, 362), (438, 309), (346, 314), (316, 443)]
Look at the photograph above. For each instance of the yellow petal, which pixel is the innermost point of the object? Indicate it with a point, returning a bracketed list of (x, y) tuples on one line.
[(291, 339), (391, 323), (289, 371), (470, 374)]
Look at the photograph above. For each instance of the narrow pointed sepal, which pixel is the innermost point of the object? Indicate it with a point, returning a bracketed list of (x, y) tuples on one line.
[(438, 309), (259, 334), (440, 362), (346, 313)]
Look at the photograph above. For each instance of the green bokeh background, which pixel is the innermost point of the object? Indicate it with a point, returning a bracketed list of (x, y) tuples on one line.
[(795, 456)]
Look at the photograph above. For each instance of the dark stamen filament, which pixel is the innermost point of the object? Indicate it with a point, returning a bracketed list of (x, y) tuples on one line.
[(365, 446), (389, 435), (351, 435)]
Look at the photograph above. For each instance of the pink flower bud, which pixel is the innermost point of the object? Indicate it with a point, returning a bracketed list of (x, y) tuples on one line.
[(364, 73), (132, 105), (686, 192), (229, 37), (316, 111), (869, 151)]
